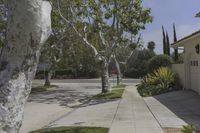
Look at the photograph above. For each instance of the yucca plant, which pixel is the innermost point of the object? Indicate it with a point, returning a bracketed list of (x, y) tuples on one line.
[(159, 81), (188, 129), (163, 76)]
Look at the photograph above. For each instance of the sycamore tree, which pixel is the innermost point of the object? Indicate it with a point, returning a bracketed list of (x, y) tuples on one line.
[(65, 52), (121, 17), (126, 52), (3, 23), (28, 27), (53, 49)]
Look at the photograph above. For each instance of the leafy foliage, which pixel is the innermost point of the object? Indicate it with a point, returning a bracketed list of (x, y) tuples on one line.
[(72, 130), (160, 81), (159, 61), (188, 129), (105, 23), (164, 77), (151, 45), (65, 52), (138, 63)]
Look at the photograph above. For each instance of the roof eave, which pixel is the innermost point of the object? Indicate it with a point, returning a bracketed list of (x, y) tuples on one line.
[(183, 42)]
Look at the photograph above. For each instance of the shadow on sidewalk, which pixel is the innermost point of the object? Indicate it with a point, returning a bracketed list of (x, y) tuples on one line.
[(69, 97), (185, 104)]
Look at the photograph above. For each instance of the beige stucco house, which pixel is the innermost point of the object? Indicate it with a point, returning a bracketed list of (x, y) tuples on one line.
[(189, 71)]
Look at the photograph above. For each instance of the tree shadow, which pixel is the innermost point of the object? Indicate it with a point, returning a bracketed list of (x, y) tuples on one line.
[(185, 104), (69, 96)]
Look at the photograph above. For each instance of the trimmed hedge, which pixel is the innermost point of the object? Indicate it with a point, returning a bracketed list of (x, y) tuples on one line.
[(69, 74)]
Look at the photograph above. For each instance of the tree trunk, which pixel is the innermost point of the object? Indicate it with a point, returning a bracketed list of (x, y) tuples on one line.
[(105, 77), (119, 79), (29, 25), (47, 78)]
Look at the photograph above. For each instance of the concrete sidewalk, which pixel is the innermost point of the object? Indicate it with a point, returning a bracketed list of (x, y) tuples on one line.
[(176, 109), (133, 115), (38, 115), (97, 114), (127, 115)]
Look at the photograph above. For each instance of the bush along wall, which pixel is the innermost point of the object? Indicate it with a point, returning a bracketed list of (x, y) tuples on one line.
[(159, 61), (159, 81)]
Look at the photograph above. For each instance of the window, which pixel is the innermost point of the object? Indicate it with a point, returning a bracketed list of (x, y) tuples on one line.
[(194, 63)]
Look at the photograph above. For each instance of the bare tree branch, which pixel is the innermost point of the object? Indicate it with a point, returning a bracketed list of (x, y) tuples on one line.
[(77, 32), (133, 51)]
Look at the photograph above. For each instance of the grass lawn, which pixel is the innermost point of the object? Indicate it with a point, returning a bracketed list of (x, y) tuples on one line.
[(42, 88), (72, 130), (116, 92)]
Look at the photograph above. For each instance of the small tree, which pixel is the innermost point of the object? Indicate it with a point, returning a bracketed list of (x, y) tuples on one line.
[(151, 46), (164, 41), (125, 16), (138, 63), (159, 61), (175, 40), (167, 44)]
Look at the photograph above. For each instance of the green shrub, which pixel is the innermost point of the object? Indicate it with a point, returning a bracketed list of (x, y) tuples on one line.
[(188, 129), (163, 76), (72, 130), (159, 61), (137, 66), (160, 81)]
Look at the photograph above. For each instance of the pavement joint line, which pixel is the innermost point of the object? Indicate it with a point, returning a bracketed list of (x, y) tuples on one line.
[(152, 113), (64, 115), (134, 125), (59, 118), (115, 113)]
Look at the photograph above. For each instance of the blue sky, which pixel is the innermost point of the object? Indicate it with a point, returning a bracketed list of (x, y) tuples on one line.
[(167, 12)]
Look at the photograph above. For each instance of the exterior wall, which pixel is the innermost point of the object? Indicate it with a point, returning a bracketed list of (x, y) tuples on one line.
[(180, 70), (192, 76)]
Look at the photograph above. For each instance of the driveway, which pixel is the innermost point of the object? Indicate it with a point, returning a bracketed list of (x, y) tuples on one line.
[(176, 109)]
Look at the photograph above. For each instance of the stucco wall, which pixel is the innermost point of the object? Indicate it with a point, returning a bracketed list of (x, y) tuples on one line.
[(191, 55), (189, 72), (179, 69)]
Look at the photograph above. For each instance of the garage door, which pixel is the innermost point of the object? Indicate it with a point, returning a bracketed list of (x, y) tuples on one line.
[(194, 75)]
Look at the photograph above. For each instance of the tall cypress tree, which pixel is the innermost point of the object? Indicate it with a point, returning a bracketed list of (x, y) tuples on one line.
[(164, 41), (175, 40), (167, 44)]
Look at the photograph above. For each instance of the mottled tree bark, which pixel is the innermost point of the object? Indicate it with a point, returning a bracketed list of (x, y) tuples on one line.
[(119, 79), (29, 25), (47, 78), (105, 77)]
